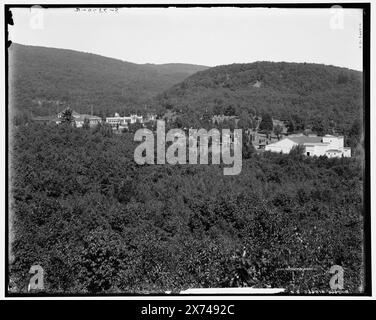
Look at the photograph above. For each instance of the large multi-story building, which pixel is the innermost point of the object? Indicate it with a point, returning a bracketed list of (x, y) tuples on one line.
[(117, 120)]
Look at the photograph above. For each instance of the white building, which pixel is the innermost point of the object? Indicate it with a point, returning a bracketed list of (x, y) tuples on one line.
[(135, 118), (330, 146), (117, 120), (150, 117), (79, 119)]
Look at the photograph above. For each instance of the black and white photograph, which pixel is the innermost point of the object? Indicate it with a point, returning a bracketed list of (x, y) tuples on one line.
[(187, 150)]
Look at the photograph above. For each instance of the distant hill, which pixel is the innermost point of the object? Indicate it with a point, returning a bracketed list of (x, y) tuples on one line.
[(176, 67), (43, 80), (313, 92)]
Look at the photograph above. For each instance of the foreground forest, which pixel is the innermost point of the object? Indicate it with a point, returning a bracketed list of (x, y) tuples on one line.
[(97, 222)]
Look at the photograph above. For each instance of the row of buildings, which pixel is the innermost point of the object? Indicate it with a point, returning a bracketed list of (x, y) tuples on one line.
[(279, 141), (331, 146), (116, 121), (328, 145)]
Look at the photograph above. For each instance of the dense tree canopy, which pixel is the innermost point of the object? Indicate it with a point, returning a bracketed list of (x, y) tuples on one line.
[(298, 93), (97, 222), (266, 123)]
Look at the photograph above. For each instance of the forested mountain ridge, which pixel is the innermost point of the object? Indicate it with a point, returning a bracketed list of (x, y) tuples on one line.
[(46, 80), (43, 80), (314, 92), (177, 67)]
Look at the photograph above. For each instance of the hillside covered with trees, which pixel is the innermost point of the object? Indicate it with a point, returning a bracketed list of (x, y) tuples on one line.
[(99, 223), (306, 94), (44, 80)]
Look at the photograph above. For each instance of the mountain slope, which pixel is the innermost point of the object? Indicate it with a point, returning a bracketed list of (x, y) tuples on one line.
[(43, 80), (313, 92), (176, 67)]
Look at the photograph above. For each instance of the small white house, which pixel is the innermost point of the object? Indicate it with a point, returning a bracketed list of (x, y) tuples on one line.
[(315, 149), (347, 152), (333, 153), (330, 146)]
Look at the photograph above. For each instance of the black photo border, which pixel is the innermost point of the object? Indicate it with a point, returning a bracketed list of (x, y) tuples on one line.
[(366, 7)]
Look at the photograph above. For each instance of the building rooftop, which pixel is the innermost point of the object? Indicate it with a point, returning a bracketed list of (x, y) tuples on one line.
[(88, 116), (331, 136), (301, 139), (316, 143), (333, 150)]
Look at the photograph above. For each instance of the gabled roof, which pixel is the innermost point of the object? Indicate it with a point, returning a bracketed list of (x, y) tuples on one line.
[(333, 150), (309, 144), (278, 122), (279, 142), (82, 117), (301, 139)]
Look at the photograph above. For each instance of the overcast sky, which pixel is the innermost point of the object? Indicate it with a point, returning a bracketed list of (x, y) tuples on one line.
[(206, 36)]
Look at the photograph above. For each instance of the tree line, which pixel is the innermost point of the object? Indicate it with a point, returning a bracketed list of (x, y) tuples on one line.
[(99, 223)]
